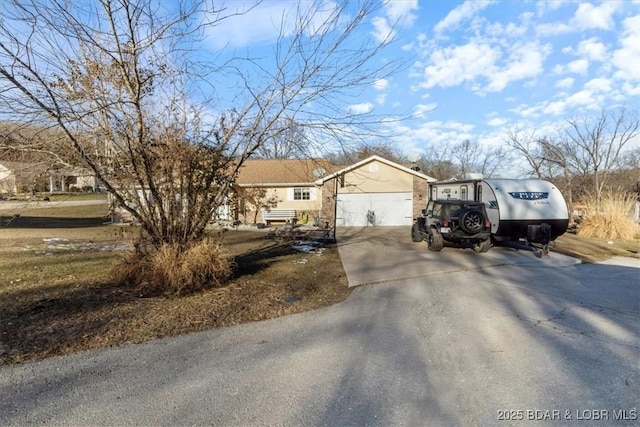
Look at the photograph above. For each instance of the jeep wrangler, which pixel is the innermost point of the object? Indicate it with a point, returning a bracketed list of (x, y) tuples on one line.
[(457, 223)]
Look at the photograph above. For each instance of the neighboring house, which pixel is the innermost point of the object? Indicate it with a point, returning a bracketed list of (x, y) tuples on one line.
[(24, 177), (374, 191), (72, 179), (19, 177)]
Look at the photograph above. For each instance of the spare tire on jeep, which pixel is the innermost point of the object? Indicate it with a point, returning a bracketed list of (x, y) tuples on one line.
[(471, 221)]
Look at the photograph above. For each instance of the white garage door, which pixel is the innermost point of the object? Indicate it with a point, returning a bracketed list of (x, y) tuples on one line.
[(358, 210)]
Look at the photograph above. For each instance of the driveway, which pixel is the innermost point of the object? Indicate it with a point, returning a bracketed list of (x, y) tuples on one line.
[(490, 345), (382, 254)]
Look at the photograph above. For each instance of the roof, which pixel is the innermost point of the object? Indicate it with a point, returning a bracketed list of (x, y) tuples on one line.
[(278, 172), (369, 160)]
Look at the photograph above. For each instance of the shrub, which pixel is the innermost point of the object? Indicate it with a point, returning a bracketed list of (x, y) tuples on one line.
[(175, 270), (612, 218)]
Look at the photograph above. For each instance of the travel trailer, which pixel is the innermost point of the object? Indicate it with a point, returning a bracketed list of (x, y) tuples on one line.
[(531, 210)]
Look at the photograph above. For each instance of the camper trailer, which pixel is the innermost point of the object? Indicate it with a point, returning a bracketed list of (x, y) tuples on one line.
[(531, 210)]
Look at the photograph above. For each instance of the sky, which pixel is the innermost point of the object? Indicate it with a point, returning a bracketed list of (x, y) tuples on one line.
[(478, 68)]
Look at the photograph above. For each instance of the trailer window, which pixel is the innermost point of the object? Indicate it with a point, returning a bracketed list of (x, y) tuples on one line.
[(463, 192)]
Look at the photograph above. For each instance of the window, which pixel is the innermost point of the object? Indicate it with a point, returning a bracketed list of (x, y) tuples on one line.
[(301, 194)]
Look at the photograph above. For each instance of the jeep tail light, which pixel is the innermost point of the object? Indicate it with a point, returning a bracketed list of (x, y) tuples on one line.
[(445, 222), (487, 224)]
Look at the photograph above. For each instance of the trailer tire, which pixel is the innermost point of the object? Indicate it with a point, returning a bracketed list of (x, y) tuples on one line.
[(483, 246), (472, 221), (416, 236), (435, 242)]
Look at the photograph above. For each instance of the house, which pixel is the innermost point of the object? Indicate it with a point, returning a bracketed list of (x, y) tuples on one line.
[(71, 179), (25, 177), (278, 190), (374, 191), (21, 177)]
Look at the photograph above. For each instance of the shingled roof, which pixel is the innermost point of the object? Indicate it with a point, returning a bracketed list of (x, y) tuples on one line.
[(275, 172)]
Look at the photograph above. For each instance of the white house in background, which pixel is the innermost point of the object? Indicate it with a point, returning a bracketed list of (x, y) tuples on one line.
[(24, 177)]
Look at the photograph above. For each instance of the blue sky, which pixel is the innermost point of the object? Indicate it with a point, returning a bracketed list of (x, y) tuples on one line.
[(478, 68)]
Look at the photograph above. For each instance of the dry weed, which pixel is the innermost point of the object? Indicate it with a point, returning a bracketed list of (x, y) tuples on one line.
[(612, 218), (173, 270)]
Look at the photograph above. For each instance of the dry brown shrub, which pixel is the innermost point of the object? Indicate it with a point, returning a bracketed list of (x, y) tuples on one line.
[(612, 218), (174, 270)]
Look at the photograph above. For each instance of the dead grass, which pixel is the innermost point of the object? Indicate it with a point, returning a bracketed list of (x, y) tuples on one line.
[(611, 218), (175, 270), (590, 249), (60, 302)]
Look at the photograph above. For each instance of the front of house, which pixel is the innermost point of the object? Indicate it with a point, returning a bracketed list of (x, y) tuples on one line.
[(372, 192)]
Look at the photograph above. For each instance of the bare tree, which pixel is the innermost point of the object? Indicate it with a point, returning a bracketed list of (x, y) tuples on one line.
[(436, 163), (526, 144), (349, 155), (444, 162), (291, 143), (119, 80), (594, 147)]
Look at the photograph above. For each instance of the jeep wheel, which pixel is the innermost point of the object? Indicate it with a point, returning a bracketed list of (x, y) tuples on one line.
[(434, 241), (483, 246), (416, 236), (472, 221)]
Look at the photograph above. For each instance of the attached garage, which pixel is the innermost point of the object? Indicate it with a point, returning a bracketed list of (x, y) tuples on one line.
[(374, 209), (374, 192)]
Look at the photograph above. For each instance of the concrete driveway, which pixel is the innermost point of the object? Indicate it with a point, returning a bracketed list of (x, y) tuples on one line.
[(382, 254), (518, 343)]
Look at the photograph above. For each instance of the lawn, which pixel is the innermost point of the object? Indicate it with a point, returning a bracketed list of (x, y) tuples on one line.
[(57, 296)]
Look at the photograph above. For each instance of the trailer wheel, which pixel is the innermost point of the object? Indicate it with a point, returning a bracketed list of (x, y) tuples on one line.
[(472, 221), (434, 241), (416, 236), (483, 246)]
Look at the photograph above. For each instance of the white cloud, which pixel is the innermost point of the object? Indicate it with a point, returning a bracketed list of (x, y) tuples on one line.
[(497, 122), (599, 84), (452, 66), (401, 12), (362, 108), (383, 31), (381, 84), (627, 58), (579, 66), (381, 99), (264, 22), (586, 17), (589, 16), (462, 13), (422, 109), (524, 61), (593, 50), (565, 83)]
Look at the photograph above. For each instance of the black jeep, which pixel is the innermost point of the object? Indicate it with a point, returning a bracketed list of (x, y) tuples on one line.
[(457, 223)]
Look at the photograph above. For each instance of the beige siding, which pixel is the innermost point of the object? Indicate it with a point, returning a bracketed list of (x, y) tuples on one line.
[(376, 177), (285, 201)]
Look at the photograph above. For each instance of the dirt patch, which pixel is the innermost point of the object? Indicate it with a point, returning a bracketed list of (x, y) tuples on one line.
[(61, 301)]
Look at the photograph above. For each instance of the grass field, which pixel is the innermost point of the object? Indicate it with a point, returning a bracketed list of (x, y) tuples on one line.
[(58, 298)]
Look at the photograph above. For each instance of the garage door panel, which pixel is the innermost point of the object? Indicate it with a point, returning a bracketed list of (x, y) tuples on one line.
[(384, 209)]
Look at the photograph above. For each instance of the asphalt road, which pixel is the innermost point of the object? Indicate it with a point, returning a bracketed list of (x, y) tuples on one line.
[(492, 345)]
